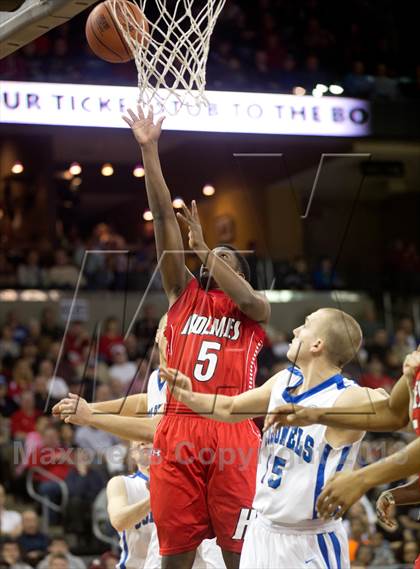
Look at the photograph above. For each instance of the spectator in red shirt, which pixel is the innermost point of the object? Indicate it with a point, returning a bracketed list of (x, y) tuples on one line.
[(77, 339), (375, 376), (55, 460), (111, 336), (23, 421)]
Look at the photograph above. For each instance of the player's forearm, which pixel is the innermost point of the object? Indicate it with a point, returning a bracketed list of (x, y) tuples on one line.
[(130, 406), (399, 465), (128, 516), (212, 406), (236, 287), (129, 428), (158, 195), (375, 416), (407, 494)]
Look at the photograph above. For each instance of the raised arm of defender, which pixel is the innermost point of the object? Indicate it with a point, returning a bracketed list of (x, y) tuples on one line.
[(169, 244)]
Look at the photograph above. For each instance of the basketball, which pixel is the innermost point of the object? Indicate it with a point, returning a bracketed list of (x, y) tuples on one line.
[(104, 35)]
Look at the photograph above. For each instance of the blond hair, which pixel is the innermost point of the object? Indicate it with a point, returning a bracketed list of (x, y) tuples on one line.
[(343, 336)]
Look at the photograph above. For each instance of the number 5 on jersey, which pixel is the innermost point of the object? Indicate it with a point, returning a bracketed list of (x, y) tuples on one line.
[(206, 361)]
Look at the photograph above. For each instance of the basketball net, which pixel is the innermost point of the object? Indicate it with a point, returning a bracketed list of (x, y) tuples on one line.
[(171, 55)]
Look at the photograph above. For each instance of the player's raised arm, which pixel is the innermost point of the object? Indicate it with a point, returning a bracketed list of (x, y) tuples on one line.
[(252, 303), (130, 428), (169, 244), (228, 409), (123, 515)]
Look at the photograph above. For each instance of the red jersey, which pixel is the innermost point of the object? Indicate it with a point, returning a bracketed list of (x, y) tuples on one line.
[(212, 342), (416, 403)]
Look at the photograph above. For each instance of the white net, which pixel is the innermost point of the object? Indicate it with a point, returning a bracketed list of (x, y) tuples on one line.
[(171, 49)]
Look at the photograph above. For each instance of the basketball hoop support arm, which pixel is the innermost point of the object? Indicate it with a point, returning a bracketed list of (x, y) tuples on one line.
[(33, 19)]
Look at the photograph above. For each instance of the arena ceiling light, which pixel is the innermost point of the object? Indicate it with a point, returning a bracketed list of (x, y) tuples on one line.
[(178, 203), (336, 89), (75, 169), (321, 88), (138, 171), (317, 93), (147, 215), (17, 168), (299, 91), (107, 169), (209, 190)]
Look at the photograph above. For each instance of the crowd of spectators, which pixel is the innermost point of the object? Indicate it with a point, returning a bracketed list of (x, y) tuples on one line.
[(63, 265), (270, 45), (82, 459)]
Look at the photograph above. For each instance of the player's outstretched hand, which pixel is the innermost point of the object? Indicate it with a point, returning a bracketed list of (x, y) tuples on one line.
[(340, 492), (179, 384), (144, 128), (73, 409), (412, 363), (195, 232), (384, 507), (294, 415)]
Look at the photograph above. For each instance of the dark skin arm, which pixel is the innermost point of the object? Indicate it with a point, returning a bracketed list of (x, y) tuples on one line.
[(169, 244), (252, 303), (401, 495)]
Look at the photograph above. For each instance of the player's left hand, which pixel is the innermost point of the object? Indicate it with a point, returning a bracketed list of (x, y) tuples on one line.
[(74, 409), (195, 232), (291, 415), (179, 384), (340, 492)]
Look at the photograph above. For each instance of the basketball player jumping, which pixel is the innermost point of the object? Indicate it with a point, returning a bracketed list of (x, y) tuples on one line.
[(295, 462), (214, 335)]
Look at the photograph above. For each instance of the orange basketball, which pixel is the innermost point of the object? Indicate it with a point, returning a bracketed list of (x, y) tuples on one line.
[(104, 36)]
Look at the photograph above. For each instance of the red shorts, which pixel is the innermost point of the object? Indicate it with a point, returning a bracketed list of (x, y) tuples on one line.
[(202, 481), (417, 563)]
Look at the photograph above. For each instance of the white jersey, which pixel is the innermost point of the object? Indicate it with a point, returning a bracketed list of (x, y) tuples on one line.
[(209, 555), (295, 462), (156, 393), (135, 541)]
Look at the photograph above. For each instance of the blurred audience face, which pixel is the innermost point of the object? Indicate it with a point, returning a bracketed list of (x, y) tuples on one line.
[(58, 545), (357, 528), (2, 496), (119, 354), (10, 553), (46, 369), (112, 326), (381, 337), (66, 434), (103, 393), (51, 438), (410, 552), (42, 423), (61, 258), (30, 522), (376, 368), (58, 563), (364, 554), (27, 402)]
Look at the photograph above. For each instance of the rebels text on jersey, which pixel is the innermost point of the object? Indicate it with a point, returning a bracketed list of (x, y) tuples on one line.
[(212, 342)]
